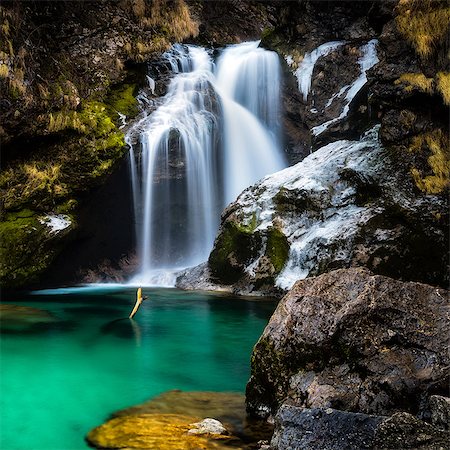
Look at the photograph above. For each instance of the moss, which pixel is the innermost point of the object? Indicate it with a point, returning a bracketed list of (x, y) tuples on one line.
[(443, 86), (424, 24), (436, 143), (277, 249), (416, 81), (122, 99), (26, 248), (233, 248)]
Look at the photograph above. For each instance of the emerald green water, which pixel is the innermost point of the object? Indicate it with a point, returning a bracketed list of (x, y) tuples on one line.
[(60, 380)]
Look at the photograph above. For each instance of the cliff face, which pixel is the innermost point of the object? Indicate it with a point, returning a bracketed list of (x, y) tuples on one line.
[(69, 73)]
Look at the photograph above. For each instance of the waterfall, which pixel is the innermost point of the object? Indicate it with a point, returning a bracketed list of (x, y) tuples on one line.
[(248, 83), (214, 134)]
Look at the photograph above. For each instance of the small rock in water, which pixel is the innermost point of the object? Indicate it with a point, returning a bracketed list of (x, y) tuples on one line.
[(208, 426)]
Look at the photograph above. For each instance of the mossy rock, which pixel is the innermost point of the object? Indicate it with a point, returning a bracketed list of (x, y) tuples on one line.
[(122, 99), (277, 249), (27, 247), (235, 246)]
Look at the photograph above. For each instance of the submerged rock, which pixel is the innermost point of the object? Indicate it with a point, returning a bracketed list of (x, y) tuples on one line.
[(14, 318), (153, 431), (354, 341), (182, 420)]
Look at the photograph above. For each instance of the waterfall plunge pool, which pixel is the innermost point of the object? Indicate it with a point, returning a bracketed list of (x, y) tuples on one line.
[(63, 376)]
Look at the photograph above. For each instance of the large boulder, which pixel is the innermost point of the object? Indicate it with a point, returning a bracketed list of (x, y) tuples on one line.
[(330, 429), (353, 341), (345, 205)]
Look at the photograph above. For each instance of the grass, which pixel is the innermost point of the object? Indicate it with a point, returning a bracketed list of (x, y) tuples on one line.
[(436, 143), (416, 81), (443, 86), (423, 23)]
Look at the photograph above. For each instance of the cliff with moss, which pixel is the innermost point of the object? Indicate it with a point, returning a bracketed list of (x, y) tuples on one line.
[(69, 74)]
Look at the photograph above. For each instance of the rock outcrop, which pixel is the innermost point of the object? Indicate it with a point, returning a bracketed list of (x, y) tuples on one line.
[(330, 429), (347, 204), (353, 341)]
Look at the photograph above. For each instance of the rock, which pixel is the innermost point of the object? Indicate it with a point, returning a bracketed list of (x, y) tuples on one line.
[(180, 410), (403, 430), (330, 429), (353, 341), (440, 411), (208, 426), (345, 205), (154, 431), (20, 319), (323, 429)]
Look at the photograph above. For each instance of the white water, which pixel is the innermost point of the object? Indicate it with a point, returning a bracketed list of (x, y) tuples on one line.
[(368, 59), (248, 81), (306, 67), (184, 175)]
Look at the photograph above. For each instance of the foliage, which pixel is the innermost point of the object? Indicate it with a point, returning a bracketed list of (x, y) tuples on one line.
[(436, 143), (423, 23)]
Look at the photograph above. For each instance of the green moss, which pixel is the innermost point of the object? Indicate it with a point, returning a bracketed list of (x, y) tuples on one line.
[(21, 255), (277, 249), (234, 247), (122, 99)]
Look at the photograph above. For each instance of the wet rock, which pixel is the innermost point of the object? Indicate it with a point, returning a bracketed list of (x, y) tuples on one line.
[(228, 408), (199, 277), (403, 430), (323, 429), (353, 341), (208, 426), (153, 431)]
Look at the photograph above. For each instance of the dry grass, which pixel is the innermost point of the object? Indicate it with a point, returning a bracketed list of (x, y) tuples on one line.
[(436, 143), (443, 86), (31, 180), (4, 71), (424, 23), (417, 81)]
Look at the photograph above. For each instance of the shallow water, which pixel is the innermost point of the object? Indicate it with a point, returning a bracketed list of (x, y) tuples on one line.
[(60, 379)]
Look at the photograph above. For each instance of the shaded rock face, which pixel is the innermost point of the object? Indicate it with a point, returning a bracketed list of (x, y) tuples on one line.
[(329, 429), (353, 341), (345, 205)]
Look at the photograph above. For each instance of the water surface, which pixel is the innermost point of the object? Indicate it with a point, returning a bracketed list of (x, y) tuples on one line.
[(60, 379)]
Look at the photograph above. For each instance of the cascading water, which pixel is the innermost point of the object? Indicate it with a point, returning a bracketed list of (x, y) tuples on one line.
[(248, 84), (213, 135)]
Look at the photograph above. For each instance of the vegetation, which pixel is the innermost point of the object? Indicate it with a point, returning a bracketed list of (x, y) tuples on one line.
[(436, 144), (424, 23), (443, 86), (416, 81)]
